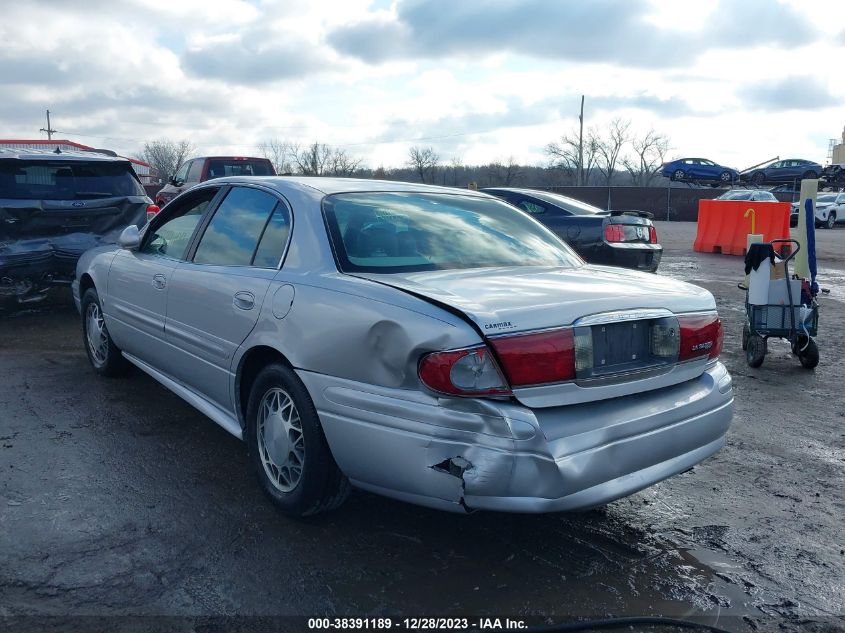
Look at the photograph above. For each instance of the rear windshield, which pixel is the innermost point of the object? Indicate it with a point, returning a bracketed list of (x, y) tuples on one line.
[(576, 207), (68, 180), (220, 167), (735, 195), (407, 232)]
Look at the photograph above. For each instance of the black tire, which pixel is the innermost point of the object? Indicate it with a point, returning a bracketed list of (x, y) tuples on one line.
[(103, 354), (809, 356), (831, 220), (756, 351), (809, 175), (746, 333), (679, 175), (758, 178), (321, 486)]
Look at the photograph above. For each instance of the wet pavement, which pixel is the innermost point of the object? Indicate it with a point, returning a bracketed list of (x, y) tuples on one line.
[(116, 498)]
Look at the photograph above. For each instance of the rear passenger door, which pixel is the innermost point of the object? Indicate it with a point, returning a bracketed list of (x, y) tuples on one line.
[(216, 296)]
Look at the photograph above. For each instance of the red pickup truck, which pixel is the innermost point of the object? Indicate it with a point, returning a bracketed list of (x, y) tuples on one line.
[(207, 167)]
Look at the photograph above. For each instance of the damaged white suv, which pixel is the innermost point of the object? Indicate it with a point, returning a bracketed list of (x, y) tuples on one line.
[(433, 345)]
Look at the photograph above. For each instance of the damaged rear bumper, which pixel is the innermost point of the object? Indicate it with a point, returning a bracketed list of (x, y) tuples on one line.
[(459, 454)]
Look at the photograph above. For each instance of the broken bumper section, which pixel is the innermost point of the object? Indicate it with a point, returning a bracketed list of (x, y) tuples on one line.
[(461, 455)]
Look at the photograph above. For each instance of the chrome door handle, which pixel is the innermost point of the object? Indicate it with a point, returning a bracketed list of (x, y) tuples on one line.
[(244, 300), (159, 281)]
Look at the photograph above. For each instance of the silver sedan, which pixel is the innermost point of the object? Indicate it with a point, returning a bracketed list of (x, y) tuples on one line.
[(434, 345)]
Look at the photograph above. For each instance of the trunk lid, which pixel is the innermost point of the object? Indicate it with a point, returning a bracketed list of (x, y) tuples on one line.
[(616, 307)]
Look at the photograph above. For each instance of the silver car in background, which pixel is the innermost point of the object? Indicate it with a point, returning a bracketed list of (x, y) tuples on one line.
[(433, 345)]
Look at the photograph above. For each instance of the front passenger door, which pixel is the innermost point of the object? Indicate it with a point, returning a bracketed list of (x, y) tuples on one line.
[(139, 281), (216, 296)]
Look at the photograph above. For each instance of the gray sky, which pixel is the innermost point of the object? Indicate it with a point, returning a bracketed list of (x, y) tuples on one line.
[(738, 82)]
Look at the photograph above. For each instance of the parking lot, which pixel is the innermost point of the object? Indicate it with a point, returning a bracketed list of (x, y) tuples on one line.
[(118, 498)]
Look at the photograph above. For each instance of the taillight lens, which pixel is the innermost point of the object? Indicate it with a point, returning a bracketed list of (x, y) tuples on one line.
[(614, 233), (701, 335), (539, 358), (152, 209), (652, 235), (470, 371)]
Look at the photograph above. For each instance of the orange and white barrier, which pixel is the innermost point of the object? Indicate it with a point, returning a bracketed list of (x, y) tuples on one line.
[(724, 225)]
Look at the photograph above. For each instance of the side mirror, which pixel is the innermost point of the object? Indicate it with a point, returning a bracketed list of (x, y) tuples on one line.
[(130, 238), (173, 181)]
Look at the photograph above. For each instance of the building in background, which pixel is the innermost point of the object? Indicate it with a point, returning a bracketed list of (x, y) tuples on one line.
[(143, 169), (838, 154)]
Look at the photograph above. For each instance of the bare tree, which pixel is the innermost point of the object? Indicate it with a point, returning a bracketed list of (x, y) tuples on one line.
[(424, 161), (166, 156), (609, 146), (504, 173), (565, 156), (312, 160), (649, 153), (278, 152), (341, 164), (456, 167)]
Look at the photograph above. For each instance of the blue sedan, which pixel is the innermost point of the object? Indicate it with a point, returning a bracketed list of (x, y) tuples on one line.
[(698, 170)]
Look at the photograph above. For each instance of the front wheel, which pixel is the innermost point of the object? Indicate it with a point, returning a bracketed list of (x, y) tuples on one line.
[(831, 220), (725, 177), (679, 175), (287, 447), (104, 355), (756, 352), (809, 175)]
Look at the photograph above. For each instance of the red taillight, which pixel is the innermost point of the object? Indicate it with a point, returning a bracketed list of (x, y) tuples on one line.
[(470, 371), (614, 233), (152, 209), (701, 335), (652, 235), (534, 359)]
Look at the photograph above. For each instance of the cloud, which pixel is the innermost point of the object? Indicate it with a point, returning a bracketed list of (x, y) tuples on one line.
[(791, 93), (253, 59), (602, 31)]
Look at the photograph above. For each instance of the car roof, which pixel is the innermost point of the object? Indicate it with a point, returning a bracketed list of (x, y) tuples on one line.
[(228, 157), (331, 185), (25, 153)]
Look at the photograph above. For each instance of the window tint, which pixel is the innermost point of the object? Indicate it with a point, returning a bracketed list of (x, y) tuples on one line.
[(171, 238), (195, 171), (402, 232), (220, 167), (273, 241), (68, 180), (233, 233)]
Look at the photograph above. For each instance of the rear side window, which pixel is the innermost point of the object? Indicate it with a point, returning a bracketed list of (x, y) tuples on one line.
[(67, 180), (220, 167), (233, 235)]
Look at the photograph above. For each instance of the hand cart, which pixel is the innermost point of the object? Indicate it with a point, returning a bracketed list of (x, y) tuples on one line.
[(794, 322)]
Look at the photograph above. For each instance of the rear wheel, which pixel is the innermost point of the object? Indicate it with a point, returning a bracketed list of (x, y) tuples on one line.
[(287, 447), (758, 178), (679, 174), (809, 356), (756, 351), (746, 333), (104, 355)]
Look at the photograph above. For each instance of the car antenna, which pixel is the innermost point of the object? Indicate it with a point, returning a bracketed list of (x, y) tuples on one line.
[(57, 150)]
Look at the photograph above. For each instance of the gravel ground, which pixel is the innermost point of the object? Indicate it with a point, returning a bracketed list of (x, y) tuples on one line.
[(117, 499)]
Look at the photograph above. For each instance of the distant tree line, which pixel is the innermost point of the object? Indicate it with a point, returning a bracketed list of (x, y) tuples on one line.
[(614, 155)]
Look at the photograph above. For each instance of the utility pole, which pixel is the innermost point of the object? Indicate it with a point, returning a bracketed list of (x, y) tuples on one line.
[(49, 130), (580, 175)]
